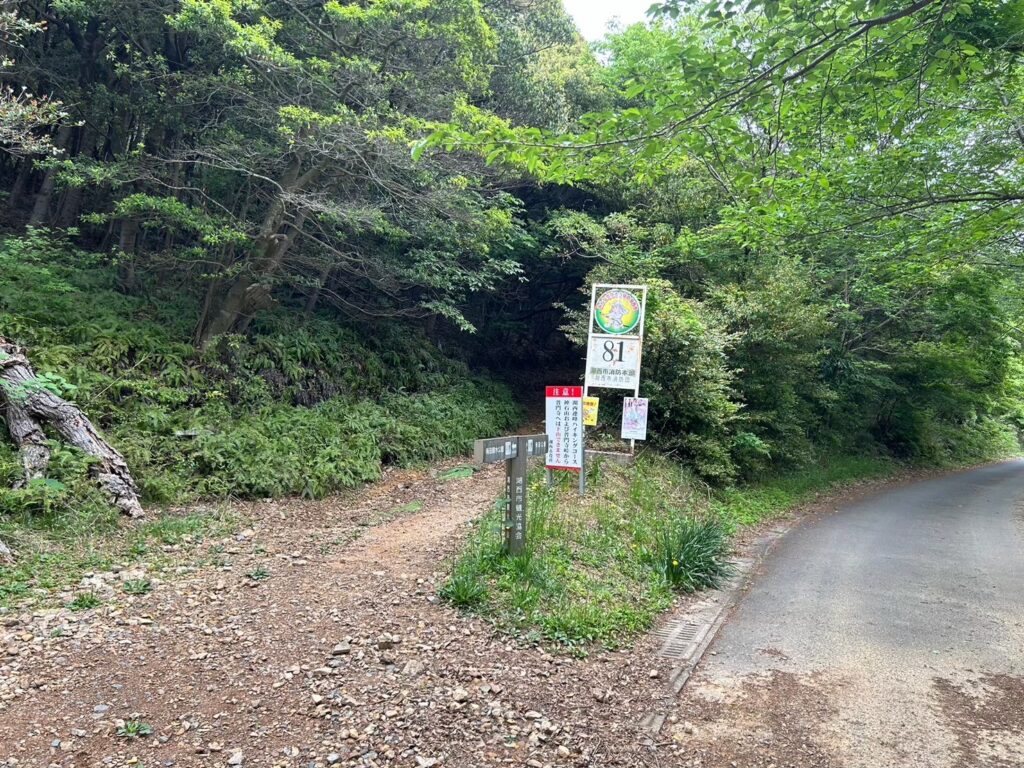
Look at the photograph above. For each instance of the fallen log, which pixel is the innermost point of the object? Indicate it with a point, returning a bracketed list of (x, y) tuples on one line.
[(26, 406)]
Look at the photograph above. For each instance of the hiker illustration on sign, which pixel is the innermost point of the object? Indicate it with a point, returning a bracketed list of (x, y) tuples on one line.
[(617, 311)]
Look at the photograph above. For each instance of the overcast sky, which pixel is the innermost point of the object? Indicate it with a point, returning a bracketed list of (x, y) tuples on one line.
[(592, 16)]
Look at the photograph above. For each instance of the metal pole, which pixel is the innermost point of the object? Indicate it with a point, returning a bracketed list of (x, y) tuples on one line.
[(586, 393), (639, 356), (583, 450), (583, 467)]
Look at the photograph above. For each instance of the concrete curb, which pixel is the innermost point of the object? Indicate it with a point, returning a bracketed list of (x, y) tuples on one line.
[(689, 633)]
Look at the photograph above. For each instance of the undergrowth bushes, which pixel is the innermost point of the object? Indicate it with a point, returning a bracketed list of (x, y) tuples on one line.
[(299, 406), (599, 569), (594, 571)]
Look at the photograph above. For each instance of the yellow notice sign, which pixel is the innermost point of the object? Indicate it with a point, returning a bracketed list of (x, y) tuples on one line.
[(590, 411)]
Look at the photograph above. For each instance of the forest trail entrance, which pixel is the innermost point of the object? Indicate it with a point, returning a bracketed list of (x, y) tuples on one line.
[(313, 636)]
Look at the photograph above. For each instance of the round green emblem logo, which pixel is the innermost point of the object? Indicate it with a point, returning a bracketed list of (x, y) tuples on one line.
[(617, 311)]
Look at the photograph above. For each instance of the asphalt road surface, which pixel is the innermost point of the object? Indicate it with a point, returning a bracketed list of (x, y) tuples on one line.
[(888, 633)]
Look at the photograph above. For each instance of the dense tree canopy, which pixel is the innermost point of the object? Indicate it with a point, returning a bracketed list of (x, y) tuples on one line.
[(825, 198), (860, 158)]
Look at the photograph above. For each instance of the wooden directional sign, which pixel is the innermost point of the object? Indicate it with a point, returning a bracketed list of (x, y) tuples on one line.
[(515, 452), (495, 449)]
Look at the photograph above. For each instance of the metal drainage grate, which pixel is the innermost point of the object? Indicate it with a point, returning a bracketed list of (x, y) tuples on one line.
[(682, 640)]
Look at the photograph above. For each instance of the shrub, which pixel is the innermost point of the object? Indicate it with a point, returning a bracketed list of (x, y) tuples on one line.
[(693, 554), (465, 589)]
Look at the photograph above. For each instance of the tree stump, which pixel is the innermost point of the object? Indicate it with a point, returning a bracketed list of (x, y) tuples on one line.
[(26, 406)]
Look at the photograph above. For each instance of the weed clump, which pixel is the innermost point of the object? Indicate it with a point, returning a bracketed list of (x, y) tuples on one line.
[(694, 554), (85, 601), (137, 587), (465, 589), (134, 729)]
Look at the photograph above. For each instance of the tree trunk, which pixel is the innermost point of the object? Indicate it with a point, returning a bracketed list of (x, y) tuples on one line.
[(251, 290), (126, 244), (40, 216), (71, 201), (314, 295), (21, 183), (26, 406)]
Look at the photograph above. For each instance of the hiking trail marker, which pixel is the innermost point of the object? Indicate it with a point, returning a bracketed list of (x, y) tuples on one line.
[(615, 339), (516, 452)]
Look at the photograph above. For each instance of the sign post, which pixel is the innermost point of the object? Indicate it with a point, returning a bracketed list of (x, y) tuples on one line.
[(516, 452), (615, 339), (564, 423)]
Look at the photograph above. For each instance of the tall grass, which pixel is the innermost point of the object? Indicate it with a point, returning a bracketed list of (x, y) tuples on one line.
[(593, 571), (598, 570), (775, 495)]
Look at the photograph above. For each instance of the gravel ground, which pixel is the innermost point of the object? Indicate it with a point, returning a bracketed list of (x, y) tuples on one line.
[(340, 655)]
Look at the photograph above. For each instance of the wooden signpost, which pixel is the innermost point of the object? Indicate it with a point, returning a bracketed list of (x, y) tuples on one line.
[(516, 452)]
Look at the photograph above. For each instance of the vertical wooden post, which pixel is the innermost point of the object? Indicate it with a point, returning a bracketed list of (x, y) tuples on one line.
[(515, 452), (515, 491), (639, 355)]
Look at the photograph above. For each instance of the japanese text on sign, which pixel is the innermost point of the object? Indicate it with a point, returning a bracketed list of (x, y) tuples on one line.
[(615, 337), (515, 492), (564, 413), (613, 363)]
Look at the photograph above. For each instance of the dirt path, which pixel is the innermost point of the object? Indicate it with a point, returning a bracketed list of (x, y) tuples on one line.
[(313, 637), (317, 639)]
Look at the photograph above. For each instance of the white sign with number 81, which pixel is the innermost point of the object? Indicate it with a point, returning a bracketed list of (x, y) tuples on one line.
[(613, 362)]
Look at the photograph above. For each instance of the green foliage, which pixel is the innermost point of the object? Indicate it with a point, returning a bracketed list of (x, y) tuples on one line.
[(85, 601), (295, 409), (269, 291), (598, 570), (591, 573), (456, 473), (258, 574), (754, 364), (772, 496), (693, 554), (134, 729), (464, 589), (137, 587), (244, 113), (834, 258)]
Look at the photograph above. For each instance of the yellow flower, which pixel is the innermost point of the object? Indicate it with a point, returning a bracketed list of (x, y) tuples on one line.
[(675, 563)]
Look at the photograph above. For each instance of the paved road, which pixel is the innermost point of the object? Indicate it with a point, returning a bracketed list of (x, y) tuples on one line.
[(889, 633)]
